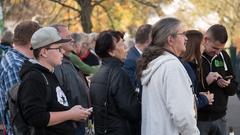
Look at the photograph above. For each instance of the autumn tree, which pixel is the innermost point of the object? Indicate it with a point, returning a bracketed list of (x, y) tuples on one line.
[(92, 15), (228, 12), (112, 12)]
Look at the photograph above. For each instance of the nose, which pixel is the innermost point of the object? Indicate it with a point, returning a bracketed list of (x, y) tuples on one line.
[(125, 46), (62, 51), (217, 51)]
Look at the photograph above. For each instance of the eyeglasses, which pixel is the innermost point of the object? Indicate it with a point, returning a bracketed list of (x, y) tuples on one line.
[(58, 48)]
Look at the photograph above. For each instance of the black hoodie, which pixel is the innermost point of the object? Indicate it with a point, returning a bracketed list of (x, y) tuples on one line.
[(33, 102), (222, 65)]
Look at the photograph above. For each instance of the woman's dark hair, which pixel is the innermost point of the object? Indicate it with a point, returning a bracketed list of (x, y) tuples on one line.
[(193, 46), (105, 42), (193, 50), (160, 32)]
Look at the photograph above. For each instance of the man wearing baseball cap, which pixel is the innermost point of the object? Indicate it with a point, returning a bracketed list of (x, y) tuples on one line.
[(43, 104)]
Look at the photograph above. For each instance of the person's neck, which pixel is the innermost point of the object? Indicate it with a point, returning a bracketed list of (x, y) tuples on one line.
[(46, 65), (173, 51), (141, 47), (66, 53), (24, 49)]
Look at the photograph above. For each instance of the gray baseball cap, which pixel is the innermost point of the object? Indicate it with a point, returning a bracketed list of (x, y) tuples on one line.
[(46, 36)]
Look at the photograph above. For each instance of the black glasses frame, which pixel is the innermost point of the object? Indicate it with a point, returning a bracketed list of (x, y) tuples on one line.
[(57, 48)]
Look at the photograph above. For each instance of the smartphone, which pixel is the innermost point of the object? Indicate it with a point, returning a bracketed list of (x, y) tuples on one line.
[(90, 109), (228, 77)]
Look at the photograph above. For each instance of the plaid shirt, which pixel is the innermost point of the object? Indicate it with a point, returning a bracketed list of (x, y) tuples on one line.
[(10, 66), (3, 50)]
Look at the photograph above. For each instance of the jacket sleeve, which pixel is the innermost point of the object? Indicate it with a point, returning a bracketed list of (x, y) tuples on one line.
[(81, 65), (179, 98), (125, 97), (130, 67), (202, 101), (32, 101), (232, 87)]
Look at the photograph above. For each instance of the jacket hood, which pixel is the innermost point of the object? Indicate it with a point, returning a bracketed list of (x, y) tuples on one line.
[(154, 65), (31, 65)]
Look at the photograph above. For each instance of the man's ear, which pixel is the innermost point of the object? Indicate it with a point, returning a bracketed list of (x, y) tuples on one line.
[(148, 42), (44, 52), (205, 40)]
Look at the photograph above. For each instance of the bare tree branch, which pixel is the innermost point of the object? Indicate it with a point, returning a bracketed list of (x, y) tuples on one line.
[(108, 14), (146, 3), (155, 7), (70, 19), (65, 5), (97, 2), (56, 16)]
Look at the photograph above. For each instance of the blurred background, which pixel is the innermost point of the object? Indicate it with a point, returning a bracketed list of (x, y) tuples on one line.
[(127, 15)]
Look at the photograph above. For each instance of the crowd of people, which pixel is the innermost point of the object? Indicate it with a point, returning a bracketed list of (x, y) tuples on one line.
[(169, 81)]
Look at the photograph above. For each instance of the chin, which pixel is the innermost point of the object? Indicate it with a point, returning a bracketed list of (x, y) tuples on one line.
[(123, 59), (59, 63)]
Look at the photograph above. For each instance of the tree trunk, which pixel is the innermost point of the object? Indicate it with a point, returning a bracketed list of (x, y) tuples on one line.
[(86, 12)]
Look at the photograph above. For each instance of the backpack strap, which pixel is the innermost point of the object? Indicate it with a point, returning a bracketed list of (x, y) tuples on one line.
[(48, 88)]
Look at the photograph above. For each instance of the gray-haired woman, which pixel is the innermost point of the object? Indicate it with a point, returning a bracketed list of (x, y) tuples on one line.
[(168, 106)]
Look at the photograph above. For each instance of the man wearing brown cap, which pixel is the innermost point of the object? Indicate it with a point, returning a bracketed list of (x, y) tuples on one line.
[(53, 115)]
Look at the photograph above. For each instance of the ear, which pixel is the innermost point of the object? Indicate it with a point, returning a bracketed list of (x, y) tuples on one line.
[(170, 40), (205, 40), (148, 41), (111, 52), (44, 52)]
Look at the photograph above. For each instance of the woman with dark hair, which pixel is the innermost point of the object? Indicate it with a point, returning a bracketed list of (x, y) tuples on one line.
[(168, 106), (116, 107), (192, 63)]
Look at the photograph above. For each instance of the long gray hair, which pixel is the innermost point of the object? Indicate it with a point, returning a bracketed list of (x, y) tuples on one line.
[(161, 31)]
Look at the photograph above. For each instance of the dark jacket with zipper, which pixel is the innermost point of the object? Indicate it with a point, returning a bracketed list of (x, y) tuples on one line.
[(33, 103), (221, 64), (116, 107), (201, 100)]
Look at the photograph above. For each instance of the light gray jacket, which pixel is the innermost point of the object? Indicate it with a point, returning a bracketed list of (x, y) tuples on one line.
[(167, 98)]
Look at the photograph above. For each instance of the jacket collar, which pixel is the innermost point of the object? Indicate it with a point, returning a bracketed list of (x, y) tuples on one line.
[(111, 61)]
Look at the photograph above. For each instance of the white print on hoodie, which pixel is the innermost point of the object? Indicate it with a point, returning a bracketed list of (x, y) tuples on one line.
[(167, 98), (61, 96)]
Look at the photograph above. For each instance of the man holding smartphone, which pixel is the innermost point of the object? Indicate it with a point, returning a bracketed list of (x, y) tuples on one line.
[(219, 80)]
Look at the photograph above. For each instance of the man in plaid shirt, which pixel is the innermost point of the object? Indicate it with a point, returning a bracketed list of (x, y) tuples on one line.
[(12, 62)]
